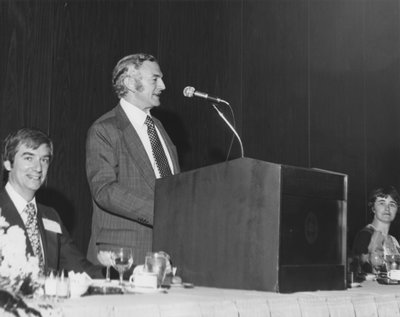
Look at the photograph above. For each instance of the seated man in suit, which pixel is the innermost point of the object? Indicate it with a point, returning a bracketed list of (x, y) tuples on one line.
[(26, 158)]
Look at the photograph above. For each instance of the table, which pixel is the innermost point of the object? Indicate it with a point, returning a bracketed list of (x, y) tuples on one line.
[(370, 300)]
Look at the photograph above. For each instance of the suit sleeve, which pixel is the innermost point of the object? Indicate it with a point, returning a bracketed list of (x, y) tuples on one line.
[(69, 256), (72, 259), (102, 147)]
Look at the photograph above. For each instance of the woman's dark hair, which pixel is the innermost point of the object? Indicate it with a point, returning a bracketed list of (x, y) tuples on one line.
[(383, 192)]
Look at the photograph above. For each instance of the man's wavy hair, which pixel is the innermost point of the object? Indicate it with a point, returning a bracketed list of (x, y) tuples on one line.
[(120, 71), (31, 138), (383, 192)]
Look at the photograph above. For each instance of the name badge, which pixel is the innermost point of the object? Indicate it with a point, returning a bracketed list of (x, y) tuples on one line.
[(51, 225)]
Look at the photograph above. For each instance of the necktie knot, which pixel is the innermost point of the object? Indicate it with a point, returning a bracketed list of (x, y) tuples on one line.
[(149, 122), (30, 209)]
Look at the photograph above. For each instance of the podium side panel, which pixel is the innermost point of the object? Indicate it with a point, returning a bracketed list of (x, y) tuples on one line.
[(220, 224)]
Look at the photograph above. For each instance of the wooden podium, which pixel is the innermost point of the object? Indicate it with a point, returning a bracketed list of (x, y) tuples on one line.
[(250, 224)]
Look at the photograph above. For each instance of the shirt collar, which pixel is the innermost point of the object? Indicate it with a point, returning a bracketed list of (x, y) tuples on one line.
[(19, 202), (135, 115)]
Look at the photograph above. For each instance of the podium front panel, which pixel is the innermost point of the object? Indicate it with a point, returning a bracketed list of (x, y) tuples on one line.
[(310, 231)]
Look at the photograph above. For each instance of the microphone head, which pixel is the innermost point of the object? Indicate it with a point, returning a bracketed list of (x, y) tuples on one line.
[(189, 91)]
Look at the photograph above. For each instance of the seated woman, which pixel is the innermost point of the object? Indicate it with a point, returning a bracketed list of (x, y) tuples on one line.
[(373, 243)]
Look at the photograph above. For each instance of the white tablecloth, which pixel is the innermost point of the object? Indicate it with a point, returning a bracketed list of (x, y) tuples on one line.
[(371, 300)]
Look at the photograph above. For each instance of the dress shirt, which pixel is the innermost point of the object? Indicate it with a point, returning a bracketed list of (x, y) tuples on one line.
[(19, 202), (137, 118)]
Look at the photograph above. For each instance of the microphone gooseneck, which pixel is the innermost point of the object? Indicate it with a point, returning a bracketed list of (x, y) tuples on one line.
[(191, 92), (232, 128)]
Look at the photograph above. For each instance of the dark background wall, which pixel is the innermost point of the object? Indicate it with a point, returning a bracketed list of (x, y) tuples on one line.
[(312, 84)]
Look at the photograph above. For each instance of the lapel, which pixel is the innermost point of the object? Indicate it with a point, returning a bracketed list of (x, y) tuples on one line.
[(42, 231), (135, 147)]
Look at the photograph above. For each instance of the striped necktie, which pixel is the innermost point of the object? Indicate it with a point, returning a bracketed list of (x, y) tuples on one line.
[(33, 234), (157, 149)]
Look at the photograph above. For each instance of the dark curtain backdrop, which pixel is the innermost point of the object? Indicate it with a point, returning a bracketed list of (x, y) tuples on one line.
[(312, 84)]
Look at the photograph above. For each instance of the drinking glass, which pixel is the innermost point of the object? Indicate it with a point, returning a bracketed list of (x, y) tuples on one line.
[(156, 263), (377, 262), (105, 255), (122, 260), (392, 262)]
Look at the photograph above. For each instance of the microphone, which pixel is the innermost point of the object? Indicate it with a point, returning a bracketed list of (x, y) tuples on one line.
[(191, 91)]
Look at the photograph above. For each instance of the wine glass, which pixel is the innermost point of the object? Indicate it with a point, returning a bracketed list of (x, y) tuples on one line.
[(122, 260), (377, 262), (105, 257)]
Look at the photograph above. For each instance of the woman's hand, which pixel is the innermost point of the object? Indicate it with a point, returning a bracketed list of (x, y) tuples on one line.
[(376, 243)]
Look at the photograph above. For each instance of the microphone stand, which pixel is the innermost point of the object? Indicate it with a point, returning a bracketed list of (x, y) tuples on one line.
[(230, 126)]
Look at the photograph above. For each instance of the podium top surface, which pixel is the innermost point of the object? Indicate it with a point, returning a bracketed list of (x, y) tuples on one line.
[(249, 161), (290, 179)]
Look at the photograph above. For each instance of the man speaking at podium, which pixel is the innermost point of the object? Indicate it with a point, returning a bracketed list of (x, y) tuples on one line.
[(126, 150)]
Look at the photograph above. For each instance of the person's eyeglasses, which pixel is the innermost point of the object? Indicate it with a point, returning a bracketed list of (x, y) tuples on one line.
[(383, 204)]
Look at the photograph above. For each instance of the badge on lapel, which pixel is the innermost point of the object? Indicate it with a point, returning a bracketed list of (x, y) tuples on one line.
[(51, 225)]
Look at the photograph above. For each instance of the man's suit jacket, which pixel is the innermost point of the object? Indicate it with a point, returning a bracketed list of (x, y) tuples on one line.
[(122, 183), (59, 250)]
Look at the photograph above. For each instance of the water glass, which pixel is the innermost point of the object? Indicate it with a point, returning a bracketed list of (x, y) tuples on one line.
[(156, 263)]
